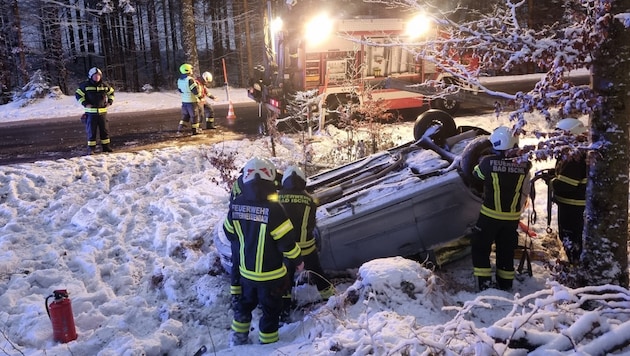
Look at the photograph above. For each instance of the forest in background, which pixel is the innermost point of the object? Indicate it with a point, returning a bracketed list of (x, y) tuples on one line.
[(135, 42)]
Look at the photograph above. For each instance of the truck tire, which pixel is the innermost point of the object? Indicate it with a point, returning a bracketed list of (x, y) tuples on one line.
[(474, 150), (449, 105), (428, 118)]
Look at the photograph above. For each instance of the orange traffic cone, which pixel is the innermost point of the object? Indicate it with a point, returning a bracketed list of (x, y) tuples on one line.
[(230, 115)]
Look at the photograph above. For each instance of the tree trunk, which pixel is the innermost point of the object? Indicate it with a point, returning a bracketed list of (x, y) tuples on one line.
[(248, 43), (52, 44), (605, 257), (20, 49), (218, 49), (155, 63), (189, 37), (131, 67)]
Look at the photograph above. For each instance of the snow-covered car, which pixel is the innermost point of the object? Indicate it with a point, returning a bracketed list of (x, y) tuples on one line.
[(412, 200)]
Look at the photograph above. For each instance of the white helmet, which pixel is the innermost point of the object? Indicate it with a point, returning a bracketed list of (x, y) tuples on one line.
[(573, 126), (502, 139), (261, 167), (207, 77), (94, 70), (293, 170)]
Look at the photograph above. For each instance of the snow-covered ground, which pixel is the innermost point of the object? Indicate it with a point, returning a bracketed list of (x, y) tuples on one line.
[(129, 236)]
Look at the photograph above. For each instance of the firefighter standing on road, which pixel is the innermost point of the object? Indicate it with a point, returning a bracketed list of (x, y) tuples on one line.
[(95, 96), (301, 208), (206, 108), (261, 236), (506, 187), (191, 94), (569, 193)]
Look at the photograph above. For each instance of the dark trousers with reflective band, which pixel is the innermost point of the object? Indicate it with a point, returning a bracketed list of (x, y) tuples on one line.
[(97, 123), (269, 296), (570, 226), (190, 114), (504, 235)]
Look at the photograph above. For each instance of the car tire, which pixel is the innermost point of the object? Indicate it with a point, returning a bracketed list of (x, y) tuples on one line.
[(428, 118), (478, 147)]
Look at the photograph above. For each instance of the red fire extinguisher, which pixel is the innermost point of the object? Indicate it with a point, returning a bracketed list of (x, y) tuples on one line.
[(60, 314)]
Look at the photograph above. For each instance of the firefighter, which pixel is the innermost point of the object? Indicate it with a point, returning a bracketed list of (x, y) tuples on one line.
[(261, 237), (206, 108), (506, 187), (301, 208), (569, 193), (95, 96), (235, 275), (191, 94)]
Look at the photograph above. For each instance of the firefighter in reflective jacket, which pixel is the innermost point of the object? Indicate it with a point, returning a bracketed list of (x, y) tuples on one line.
[(506, 187), (95, 96), (569, 192), (261, 237), (236, 190), (191, 94), (301, 208)]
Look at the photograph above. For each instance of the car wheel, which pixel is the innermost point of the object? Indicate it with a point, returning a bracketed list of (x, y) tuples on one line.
[(431, 117), (474, 150)]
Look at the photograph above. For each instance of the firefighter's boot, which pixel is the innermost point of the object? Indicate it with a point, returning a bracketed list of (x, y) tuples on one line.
[(90, 150), (285, 313), (210, 123), (504, 284), (237, 338), (106, 148), (484, 283)]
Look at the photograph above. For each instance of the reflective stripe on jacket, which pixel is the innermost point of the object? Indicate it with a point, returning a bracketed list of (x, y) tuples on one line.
[(264, 237), (98, 95), (301, 209), (569, 185), (189, 89), (506, 182)]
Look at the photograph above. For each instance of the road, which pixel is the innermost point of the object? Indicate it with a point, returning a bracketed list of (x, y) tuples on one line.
[(33, 140)]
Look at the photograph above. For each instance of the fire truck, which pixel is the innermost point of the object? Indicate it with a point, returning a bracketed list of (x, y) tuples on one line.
[(344, 56)]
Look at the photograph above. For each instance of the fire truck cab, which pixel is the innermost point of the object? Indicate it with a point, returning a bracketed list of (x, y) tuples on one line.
[(344, 58)]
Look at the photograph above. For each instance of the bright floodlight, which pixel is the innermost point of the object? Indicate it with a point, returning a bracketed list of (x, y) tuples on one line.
[(418, 26), (276, 25), (318, 29)]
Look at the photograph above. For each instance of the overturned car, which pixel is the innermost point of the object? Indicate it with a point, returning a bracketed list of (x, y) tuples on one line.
[(415, 200)]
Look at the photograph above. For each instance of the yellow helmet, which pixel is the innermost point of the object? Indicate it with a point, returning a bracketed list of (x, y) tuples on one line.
[(186, 68)]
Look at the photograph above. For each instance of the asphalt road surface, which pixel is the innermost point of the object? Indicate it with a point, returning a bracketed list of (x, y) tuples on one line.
[(50, 139), (64, 137)]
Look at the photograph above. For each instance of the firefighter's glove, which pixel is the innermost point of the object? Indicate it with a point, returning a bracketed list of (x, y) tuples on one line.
[(84, 118)]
